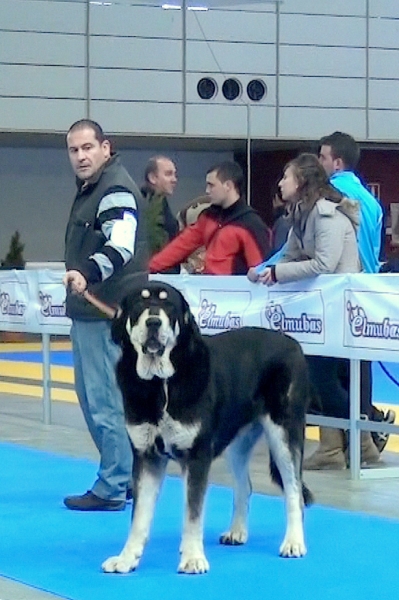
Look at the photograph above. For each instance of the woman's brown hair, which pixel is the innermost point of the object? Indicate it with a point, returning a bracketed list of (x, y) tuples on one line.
[(313, 182)]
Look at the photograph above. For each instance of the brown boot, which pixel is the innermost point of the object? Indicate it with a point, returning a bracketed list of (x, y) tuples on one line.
[(330, 453), (369, 452)]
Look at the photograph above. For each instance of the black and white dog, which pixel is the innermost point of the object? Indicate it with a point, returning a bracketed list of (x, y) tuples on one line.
[(189, 397)]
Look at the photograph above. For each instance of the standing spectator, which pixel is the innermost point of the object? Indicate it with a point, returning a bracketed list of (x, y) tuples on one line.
[(322, 240), (105, 241), (234, 235), (160, 181), (339, 155)]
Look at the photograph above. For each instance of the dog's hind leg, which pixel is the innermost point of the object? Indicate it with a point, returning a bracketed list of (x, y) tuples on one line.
[(286, 460), (147, 478), (238, 456), (193, 559)]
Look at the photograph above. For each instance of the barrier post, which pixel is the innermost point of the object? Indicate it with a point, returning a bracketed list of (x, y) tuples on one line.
[(46, 379), (354, 417)]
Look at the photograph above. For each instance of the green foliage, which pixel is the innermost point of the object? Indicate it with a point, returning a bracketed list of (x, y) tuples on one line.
[(14, 259)]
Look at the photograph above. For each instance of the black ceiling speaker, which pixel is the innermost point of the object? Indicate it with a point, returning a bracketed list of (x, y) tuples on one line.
[(207, 88), (231, 89), (256, 90)]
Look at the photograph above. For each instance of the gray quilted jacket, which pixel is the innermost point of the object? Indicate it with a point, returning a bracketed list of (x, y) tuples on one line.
[(321, 241)]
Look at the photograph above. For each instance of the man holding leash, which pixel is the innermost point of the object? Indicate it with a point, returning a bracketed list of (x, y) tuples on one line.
[(105, 242), (234, 235)]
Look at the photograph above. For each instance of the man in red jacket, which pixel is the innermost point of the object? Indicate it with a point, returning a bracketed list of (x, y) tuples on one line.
[(234, 235)]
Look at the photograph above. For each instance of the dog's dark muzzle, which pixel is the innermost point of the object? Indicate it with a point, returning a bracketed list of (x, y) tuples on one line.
[(152, 345)]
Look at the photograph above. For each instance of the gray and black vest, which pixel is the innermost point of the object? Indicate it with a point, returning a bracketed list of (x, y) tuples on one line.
[(84, 237)]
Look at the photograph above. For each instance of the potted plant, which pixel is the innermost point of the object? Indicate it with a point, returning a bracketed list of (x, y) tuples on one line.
[(14, 258)]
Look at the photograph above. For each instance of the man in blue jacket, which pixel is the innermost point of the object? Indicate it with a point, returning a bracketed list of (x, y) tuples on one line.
[(339, 155)]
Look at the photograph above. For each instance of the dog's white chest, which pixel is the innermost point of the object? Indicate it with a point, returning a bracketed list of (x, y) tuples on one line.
[(174, 435)]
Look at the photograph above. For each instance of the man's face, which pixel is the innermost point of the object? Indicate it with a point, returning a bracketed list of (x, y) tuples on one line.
[(217, 190), (327, 161), (86, 153), (165, 179)]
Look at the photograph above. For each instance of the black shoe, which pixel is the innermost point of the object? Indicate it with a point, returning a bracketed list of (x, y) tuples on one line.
[(381, 439), (90, 501)]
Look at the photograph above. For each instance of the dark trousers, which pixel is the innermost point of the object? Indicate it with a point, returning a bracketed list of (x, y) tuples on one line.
[(330, 379)]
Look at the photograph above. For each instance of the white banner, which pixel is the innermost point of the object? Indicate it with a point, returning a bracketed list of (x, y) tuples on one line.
[(353, 316), (33, 301)]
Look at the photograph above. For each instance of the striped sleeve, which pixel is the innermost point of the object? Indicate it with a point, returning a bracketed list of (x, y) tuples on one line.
[(117, 220)]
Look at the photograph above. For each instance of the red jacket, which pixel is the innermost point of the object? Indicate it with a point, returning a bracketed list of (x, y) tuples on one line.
[(235, 239)]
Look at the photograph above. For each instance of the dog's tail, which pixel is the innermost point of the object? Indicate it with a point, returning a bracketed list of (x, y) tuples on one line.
[(308, 498), (307, 495)]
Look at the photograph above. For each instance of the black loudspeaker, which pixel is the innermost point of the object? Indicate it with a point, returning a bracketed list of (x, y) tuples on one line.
[(256, 90), (232, 89), (207, 88)]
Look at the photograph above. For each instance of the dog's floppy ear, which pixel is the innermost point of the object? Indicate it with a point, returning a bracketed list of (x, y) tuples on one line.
[(118, 326), (188, 324)]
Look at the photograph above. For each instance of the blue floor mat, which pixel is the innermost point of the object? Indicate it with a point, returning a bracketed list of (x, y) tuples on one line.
[(44, 545), (57, 357), (386, 382)]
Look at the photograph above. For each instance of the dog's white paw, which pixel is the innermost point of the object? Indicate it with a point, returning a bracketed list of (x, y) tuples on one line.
[(120, 564), (291, 548), (234, 537), (193, 564)]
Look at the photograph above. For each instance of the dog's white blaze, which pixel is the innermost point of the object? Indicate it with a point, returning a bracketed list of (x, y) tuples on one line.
[(142, 436), (150, 365), (293, 543), (177, 434), (172, 432)]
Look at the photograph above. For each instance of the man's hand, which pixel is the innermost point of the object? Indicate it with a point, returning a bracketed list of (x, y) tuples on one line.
[(76, 281)]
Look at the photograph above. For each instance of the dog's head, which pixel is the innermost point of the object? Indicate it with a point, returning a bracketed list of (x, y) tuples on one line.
[(151, 319)]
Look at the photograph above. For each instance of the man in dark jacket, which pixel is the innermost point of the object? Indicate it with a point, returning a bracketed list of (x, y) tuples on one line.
[(234, 235), (105, 243), (160, 181)]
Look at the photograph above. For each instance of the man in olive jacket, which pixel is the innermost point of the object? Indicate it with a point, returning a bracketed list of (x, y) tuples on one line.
[(105, 243)]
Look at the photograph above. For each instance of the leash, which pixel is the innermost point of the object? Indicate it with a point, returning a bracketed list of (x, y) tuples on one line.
[(102, 307), (388, 374)]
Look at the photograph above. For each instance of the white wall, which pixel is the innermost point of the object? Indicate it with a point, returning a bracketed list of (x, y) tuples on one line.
[(37, 189), (328, 65)]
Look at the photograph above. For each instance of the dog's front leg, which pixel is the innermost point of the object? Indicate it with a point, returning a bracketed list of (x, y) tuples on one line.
[(148, 475), (193, 558)]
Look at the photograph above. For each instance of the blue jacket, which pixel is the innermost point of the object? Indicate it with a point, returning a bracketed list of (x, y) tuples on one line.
[(369, 232)]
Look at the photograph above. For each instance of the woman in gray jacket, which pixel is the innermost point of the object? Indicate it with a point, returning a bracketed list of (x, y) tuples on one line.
[(322, 240)]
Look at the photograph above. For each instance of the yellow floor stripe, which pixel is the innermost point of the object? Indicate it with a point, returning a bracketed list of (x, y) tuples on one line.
[(27, 370), (32, 346), (36, 391)]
